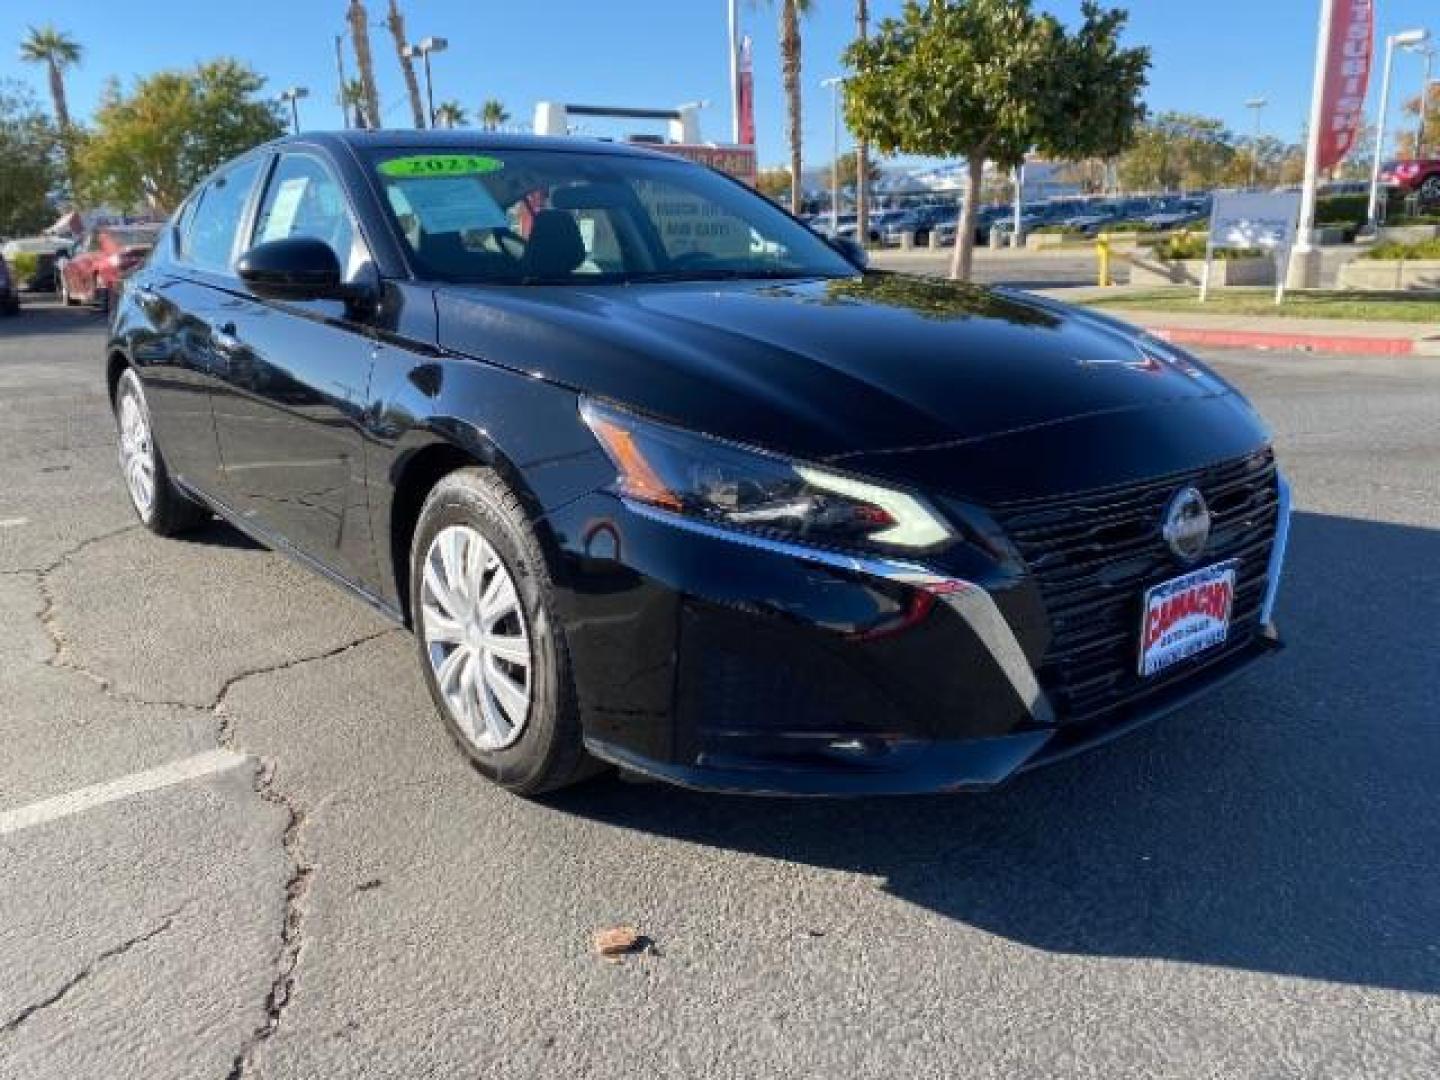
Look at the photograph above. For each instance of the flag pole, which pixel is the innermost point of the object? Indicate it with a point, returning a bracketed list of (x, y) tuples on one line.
[(1303, 253)]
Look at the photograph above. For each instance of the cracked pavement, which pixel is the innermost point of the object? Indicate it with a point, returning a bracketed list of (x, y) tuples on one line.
[(1248, 889)]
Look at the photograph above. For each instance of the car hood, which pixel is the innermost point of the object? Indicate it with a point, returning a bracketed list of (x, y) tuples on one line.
[(825, 368)]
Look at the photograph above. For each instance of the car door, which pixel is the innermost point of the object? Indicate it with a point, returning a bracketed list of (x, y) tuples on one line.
[(187, 295), (290, 409)]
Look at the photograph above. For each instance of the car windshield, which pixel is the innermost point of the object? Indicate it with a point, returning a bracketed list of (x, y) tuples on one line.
[(575, 217)]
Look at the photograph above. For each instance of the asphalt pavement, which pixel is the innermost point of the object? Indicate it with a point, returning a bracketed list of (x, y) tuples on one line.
[(234, 840)]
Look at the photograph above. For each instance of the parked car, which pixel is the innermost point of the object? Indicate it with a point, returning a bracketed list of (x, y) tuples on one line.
[(103, 258), (9, 294), (919, 222), (46, 252), (759, 522), (1420, 177)]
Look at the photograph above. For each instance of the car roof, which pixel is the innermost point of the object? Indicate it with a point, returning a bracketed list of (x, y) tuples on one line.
[(470, 140)]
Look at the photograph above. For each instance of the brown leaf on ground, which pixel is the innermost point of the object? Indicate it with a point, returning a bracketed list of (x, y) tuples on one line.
[(619, 941)]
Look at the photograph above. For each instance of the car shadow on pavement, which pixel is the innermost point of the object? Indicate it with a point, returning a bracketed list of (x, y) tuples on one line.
[(44, 314), (1288, 824)]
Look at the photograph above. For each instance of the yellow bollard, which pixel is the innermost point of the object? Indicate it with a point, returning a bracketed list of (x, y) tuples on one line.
[(1102, 253)]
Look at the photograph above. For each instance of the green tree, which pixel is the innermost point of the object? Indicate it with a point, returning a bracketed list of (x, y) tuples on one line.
[(1408, 144), (993, 80), (1178, 150), (791, 12), (450, 114), (156, 143), (28, 163), (493, 115), (849, 170), (57, 50), (774, 183)]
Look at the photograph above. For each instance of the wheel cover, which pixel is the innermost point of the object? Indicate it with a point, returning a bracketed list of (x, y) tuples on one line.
[(137, 450), (476, 638)]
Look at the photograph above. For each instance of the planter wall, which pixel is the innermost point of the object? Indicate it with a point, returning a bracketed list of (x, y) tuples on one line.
[(1148, 270), (1044, 241), (1408, 234), (1384, 275)]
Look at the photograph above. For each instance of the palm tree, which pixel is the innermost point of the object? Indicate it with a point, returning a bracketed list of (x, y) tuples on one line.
[(352, 102), (360, 39), (791, 12), (396, 23), (493, 115), (57, 50), (449, 114)]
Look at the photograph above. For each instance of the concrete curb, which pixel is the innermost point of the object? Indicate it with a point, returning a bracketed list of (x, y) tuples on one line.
[(1263, 339)]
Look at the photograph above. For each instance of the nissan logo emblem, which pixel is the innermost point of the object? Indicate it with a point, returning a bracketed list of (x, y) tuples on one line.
[(1187, 524)]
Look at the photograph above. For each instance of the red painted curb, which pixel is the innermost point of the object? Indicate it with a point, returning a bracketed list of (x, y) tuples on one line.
[(1262, 339)]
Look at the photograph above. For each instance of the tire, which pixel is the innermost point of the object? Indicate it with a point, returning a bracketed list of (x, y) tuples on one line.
[(157, 502), (537, 748), (1430, 190)]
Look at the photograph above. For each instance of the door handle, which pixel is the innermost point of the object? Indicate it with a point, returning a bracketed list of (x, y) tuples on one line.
[(222, 336)]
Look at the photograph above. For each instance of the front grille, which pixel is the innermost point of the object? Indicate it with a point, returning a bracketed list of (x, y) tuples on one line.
[(1094, 555)]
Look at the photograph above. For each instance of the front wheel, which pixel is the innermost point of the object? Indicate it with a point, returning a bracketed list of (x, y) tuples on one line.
[(493, 655), (1430, 190), (158, 503)]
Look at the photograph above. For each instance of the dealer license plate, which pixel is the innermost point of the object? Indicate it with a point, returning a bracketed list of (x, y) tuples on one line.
[(1186, 616)]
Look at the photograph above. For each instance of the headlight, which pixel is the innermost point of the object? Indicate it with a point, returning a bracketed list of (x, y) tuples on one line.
[(750, 490)]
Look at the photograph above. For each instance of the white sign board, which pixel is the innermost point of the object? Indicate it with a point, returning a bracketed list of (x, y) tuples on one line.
[(1245, 220), (1255, 220)]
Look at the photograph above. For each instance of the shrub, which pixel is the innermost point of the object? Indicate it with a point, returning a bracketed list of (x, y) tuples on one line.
[(1128, 226), (1056, 230), (1429, 249), (1191, 245), (23, 264), (1342, 210)]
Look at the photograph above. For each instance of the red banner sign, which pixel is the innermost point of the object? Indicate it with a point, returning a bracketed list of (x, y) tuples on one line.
[(1347, 78)]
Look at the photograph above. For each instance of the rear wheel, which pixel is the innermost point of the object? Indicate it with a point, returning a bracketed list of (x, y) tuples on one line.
[(493, 655), (158, 503), (1430, 190)]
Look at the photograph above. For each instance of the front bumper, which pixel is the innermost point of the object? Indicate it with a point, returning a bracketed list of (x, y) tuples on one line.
[(727, 662)]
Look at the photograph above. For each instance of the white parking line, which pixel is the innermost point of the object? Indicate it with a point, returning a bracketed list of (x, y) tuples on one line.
[(87, 798), (10, 523)]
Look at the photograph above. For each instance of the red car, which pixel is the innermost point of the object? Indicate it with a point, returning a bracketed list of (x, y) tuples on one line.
[(104, 257), (1414, 176)]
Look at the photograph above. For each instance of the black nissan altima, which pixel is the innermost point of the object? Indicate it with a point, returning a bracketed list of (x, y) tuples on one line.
[(660, 478)]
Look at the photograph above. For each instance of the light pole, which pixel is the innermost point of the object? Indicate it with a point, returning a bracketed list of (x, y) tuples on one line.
[(734, 26), (834, 86), (1257, 105), (1407, 39), (1428, 52), (423, 50), (293, 96)]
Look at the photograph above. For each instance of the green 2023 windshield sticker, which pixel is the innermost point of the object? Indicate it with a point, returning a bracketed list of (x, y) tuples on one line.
[(441, 165)]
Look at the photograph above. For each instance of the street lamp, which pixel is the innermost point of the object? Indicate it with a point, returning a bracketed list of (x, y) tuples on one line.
[(1428, 52), (834, 86), (423, 50), (1407, 39), (293, 96), (1257, 105)]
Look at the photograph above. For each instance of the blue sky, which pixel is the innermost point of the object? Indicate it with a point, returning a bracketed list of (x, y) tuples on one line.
[(1209, 55)]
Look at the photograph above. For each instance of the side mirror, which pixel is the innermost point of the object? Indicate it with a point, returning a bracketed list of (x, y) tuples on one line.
[(852, 249), (300, 268)]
